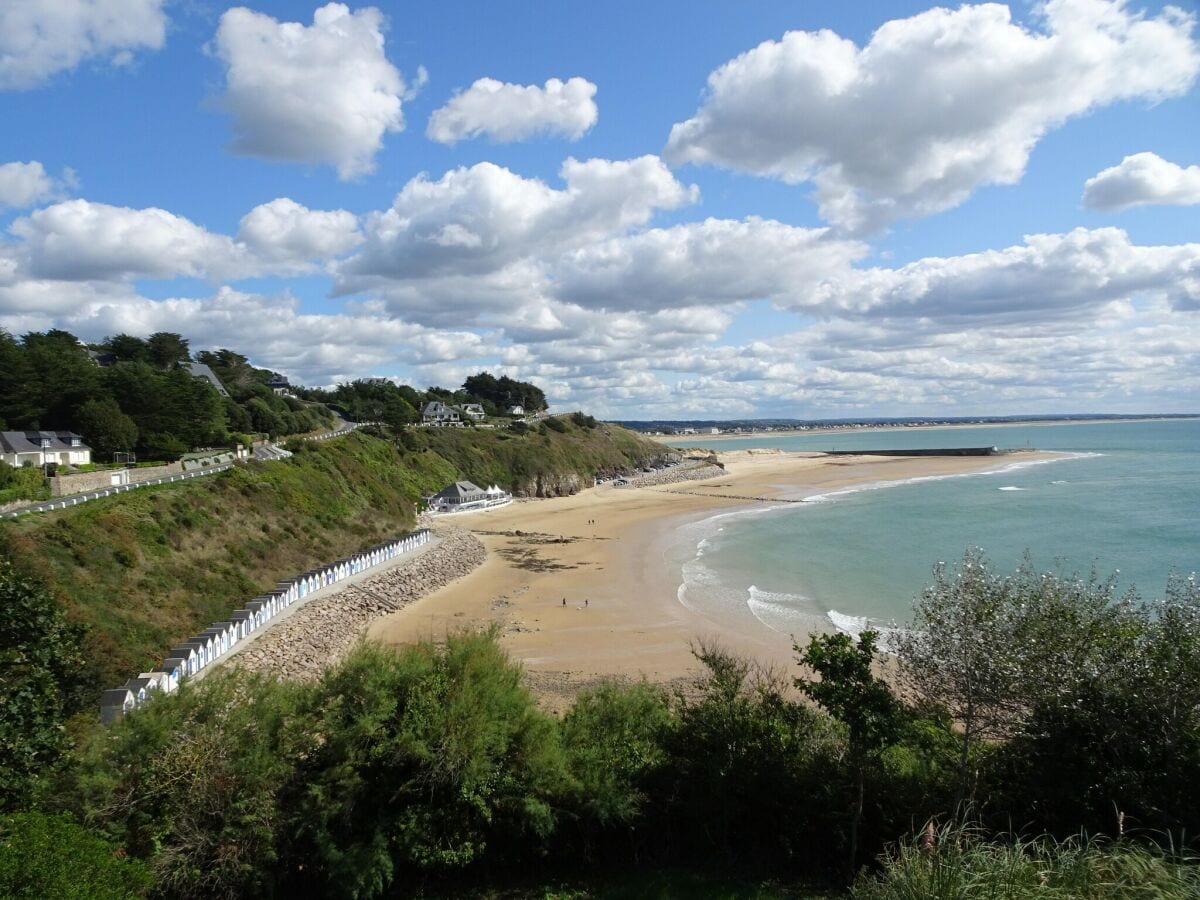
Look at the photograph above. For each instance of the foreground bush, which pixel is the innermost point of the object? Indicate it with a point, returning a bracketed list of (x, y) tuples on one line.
[(955, 864), (428, 760), (51, 856)]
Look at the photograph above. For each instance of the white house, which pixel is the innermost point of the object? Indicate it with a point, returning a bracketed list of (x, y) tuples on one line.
[(36, 448), (463, 496), (516, 410), (473, 411), (439, 414)]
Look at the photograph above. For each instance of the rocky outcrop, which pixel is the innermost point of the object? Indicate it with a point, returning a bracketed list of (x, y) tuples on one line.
[(561, 485), (324, 629)]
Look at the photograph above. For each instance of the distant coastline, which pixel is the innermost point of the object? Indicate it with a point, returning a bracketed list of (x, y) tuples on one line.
[(903, 425)]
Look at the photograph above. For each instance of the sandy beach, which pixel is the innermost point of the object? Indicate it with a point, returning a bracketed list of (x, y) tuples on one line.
[(580, 587)]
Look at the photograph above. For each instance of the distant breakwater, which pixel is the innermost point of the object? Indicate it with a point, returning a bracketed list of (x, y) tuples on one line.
[(927, 451)]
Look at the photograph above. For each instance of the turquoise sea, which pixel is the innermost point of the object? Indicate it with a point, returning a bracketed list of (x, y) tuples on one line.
[(1127, 501)]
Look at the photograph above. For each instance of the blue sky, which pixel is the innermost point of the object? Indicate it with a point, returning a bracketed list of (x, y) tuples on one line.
[(814, 209)]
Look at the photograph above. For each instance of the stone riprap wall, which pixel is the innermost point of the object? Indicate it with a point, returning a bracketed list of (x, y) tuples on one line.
[(209, 646), (677, 474), (323, 631)]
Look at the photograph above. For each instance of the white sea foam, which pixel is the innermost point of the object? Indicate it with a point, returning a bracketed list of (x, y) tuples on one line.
[(786, 613), (1011, 487), (856, 625)]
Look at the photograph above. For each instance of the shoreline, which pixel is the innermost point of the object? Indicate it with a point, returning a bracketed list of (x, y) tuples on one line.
[(606, 551)]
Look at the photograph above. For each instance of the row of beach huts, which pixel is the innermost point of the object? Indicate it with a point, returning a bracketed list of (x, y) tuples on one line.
[(209, 646)]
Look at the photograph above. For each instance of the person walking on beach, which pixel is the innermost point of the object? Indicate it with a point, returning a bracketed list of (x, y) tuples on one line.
[(564, 601)]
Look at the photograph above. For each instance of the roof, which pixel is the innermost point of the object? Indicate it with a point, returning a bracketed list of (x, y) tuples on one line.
[(200, 370), (437, 408), (31, 441), (459, 489), (115, 697)]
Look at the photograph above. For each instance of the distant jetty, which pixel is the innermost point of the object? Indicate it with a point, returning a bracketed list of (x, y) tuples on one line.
[(925, 451)]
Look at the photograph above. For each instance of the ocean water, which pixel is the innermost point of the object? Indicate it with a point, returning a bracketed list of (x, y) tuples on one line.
[(1126, 501)]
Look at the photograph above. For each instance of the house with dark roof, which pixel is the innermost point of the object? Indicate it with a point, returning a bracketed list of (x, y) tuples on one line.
[(472, 411), (36, 448), (438, 414), (464, 495), (115, 703), (200, 370), (280, 385)]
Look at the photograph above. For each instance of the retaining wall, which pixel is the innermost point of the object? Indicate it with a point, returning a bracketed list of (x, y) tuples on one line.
[(82, 482)]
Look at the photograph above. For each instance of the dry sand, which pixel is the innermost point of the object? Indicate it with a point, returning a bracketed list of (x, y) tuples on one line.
[(602, 551)]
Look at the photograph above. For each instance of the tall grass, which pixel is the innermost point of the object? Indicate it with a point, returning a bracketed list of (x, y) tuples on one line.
[(957, 864)]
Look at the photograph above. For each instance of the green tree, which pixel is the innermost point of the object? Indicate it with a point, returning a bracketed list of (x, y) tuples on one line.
[(45, 857), (61, 377), (165, 349), (1114, 727), (127, 348), (105, 428), (849, 691), (616, 740), (429, 759), (743, 760), (17, 409), (40, 673), (961, 652)]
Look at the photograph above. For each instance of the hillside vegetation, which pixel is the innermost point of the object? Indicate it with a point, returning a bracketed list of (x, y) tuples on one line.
[(144, 570), (539, 461)]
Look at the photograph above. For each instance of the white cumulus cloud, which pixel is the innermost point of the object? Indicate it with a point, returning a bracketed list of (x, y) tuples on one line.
[(285, 231), (513, 112), (713, 262), (934, 106), (39, 38), (78, 240), (324, 93), (1049, 276), (1143, 179), (492, 227), (24, 184)]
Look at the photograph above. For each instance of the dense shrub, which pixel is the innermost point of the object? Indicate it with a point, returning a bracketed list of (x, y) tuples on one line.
[(41, 668), (44, 857)]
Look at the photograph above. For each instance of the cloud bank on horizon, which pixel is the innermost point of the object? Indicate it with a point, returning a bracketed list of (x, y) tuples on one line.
[(940, 260)]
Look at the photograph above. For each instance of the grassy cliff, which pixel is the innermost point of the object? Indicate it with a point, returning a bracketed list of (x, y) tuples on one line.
[(540, 461), (146, 569)]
